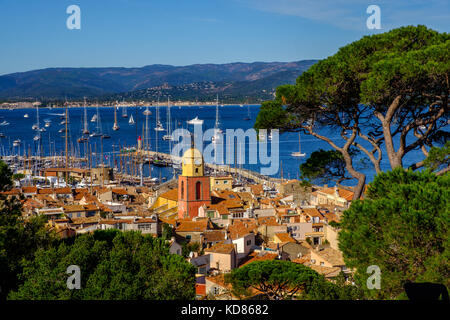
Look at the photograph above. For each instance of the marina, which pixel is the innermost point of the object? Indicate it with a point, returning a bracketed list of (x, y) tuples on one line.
[(106, 146)]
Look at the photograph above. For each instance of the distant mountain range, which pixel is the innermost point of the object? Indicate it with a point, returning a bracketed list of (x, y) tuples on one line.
[(232, 81)]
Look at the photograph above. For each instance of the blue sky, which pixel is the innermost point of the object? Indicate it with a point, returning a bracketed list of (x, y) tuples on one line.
[(134, 33)]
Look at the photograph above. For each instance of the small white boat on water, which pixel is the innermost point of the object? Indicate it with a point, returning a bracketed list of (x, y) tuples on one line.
[(17, 143), (26, 115), (299, 152), (159, 127), (262, 137), (196, 120), (94, 118), (4, 123), (147, 112), (131, 121)]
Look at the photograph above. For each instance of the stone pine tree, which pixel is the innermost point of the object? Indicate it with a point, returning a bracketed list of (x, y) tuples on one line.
[(385, 94), (403, 228)]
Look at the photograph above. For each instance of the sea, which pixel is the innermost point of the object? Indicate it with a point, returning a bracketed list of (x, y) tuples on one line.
[(230, 117)]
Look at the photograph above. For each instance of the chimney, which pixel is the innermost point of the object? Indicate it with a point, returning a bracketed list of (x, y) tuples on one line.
[(336, 192)]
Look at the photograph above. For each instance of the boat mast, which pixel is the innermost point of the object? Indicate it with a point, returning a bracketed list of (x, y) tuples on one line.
[(86, 131), (67, 147), (98, 121), (299, 144), (115, 126), (168, 117), (217, 112)]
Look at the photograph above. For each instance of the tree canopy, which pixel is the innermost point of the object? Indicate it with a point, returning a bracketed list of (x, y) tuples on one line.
[(439, 159), (114, 265), (402, 227), (279, 280), (385, 94), (325, 166), (19, 239)]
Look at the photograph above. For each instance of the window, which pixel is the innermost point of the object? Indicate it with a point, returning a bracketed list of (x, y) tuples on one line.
[(216, 290), (196, 170), (225, 182), (249, 242), (182, 189), (198, 190), (322, 263), (188, 237)]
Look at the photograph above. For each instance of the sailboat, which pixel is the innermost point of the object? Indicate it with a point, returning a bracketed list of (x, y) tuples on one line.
[(217, 130), (146, 112), (168, 136), (97, 132), (36, 125), (115, 126), (299, 152), (124, 112), (248, 114), (159, 126), (85, 127), (131, 121)]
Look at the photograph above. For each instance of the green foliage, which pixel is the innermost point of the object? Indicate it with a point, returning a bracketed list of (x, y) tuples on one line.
[(402, 226), (438, 157), (352, 91), (325, 166), (18, 176), (285, 280), (18, 239), (5, 176), (167, 231), (114, 265), (188, 247)]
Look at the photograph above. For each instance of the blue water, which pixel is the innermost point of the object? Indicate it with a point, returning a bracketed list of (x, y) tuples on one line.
[(231, 117)]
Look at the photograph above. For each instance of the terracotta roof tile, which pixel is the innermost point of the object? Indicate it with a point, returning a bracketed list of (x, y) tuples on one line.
[(224, 248)]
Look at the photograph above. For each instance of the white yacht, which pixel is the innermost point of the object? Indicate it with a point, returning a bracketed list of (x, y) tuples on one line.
[(26, 115), (196, 120)]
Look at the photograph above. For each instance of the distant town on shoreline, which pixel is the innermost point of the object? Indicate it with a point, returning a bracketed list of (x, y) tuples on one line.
[(77, 104)]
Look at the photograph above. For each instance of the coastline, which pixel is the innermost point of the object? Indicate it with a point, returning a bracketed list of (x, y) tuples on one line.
[(14, 106)]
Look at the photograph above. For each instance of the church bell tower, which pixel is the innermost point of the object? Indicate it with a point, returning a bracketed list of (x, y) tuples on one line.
[(193, 186)]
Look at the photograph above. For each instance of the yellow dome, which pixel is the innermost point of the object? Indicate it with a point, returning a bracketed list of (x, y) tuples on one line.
[(192, 162)]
